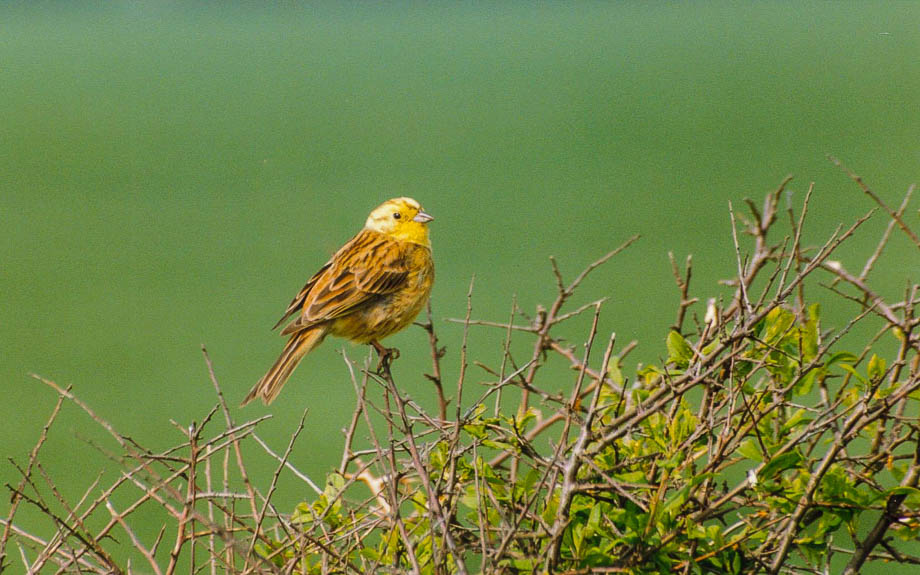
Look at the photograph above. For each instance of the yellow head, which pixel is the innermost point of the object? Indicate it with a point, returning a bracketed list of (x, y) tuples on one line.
[(402, 219)]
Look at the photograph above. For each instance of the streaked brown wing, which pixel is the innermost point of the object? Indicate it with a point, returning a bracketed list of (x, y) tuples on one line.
[(297, 302), (380, 281), (369, 265)]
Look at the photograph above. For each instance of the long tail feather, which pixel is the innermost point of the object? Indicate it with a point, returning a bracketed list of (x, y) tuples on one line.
[(298, 346)]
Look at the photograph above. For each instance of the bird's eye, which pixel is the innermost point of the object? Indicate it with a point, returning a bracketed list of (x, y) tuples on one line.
[(397, 215)]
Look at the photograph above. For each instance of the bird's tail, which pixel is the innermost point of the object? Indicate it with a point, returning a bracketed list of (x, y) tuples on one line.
[(300, 344)]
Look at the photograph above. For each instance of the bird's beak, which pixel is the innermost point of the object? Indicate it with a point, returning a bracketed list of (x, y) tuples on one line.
[(422, 218)]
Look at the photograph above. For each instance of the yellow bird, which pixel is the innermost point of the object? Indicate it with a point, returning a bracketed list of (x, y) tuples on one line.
[(372, 287)]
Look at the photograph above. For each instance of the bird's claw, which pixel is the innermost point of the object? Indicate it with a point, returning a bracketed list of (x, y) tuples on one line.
[(386, 356)]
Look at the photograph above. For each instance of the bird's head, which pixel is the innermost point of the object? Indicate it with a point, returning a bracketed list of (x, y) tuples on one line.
[(402, 219)]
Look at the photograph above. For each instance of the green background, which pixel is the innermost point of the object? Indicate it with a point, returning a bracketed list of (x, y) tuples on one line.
[(171, 175)]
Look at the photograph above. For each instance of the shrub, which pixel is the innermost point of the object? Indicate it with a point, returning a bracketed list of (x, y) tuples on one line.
[(760, 445)]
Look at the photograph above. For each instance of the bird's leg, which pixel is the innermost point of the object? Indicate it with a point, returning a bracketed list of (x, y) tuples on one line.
[(386, 355)]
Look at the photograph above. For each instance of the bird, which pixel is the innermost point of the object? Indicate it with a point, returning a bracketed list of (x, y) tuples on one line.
[(372, 287)]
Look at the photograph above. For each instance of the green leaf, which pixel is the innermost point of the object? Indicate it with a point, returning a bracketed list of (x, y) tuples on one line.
[(841, 356), (849, 368), (614, 371), (901, 490), (578, 535), (594, 519), (470, 498), (523, 565), (876, 368), (532, 414), (750, 449), (336, 481), (631, 476), (796, 418), (675, 501), (649, 374), (780, 463), (804, 385), (711, 347), (814, 312), (303, 513), (369, 553), (812, 551), (681, 426), (778, 322), (476, 430), (500, 445), (679, 351)]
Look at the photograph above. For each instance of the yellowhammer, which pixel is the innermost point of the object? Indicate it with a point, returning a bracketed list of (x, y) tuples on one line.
[(372, 287)]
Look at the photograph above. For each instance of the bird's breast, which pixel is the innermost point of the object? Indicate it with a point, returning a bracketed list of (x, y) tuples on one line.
[(390, 313)]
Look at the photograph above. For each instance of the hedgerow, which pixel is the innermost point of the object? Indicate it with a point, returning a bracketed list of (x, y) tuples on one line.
[(764, 442)]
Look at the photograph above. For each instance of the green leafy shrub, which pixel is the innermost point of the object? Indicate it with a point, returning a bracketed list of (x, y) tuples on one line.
[(760, 444)]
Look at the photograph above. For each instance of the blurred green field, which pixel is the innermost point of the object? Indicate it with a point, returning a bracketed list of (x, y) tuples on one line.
[(170, 175)]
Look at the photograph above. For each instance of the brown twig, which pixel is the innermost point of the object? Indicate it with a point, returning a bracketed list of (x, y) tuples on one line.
[(33, 457), (895, 216)]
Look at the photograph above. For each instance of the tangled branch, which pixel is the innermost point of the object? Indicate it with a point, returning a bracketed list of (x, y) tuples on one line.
[(758, 445)]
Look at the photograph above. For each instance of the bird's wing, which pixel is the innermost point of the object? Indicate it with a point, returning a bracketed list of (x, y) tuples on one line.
[(369, 265), (297, 302)]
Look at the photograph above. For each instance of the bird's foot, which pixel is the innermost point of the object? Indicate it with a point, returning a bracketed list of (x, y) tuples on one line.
[(386, 356)]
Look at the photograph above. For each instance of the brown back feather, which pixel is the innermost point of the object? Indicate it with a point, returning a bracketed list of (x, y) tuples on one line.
[(371, 264)]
